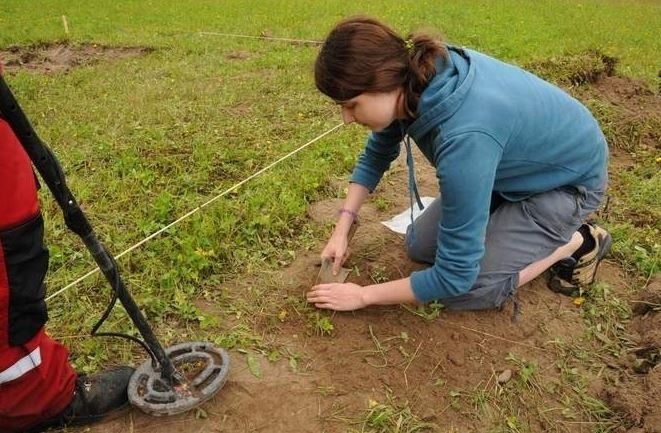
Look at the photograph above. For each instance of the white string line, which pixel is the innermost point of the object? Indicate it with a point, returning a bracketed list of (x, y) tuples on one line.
[(269, 38), (183, 217)]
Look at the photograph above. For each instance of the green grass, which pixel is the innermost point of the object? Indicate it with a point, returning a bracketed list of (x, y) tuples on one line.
[(515, 30), (144, 140), (144, 150), (391, 417)]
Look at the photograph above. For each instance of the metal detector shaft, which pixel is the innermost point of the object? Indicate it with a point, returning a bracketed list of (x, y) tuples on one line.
[(49, 168)]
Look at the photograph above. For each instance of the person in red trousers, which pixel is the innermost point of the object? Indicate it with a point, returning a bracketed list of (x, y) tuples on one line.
[(38, 387)]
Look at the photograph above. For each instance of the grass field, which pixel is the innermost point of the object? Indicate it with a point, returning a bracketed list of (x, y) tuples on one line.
[(145, 139), (513, 29)]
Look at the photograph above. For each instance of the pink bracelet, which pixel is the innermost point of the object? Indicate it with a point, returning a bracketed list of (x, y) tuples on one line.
[(350, 212)]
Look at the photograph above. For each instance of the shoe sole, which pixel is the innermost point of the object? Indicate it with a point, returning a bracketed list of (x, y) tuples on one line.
[(109, 416), (61, 426)]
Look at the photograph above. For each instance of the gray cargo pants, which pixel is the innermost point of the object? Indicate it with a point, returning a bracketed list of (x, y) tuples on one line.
[(518, 234)]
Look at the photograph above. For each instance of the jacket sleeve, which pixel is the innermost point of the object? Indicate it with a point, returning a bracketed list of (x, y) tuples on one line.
[(466, 169), (380, 150)]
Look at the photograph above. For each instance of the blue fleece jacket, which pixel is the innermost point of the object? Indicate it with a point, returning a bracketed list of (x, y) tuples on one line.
[(487, 126)]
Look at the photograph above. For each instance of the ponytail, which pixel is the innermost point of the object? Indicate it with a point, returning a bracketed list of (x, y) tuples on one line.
[(364, 55), (423, 50)]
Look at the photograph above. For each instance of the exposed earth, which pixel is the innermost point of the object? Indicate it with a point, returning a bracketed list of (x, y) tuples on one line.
[(61, 56)]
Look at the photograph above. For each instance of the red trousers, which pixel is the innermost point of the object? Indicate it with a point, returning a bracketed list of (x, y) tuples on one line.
[(40, 393), (36, 379)]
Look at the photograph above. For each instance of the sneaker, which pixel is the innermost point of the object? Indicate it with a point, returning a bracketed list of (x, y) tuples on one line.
[(571, 274), (95, 397)]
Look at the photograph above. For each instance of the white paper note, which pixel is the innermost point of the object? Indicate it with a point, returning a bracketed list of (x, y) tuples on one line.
[(400, 222)]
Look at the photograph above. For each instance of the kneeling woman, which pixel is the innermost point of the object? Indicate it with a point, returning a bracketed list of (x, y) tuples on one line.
[(519, 162)]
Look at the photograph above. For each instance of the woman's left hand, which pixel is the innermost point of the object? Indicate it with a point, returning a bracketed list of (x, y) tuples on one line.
[(337, 296)]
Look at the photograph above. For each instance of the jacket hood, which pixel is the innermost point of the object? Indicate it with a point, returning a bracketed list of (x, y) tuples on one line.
[(445, 92)]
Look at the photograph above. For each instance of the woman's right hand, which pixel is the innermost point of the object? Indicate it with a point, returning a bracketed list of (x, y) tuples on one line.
[(336, 250)]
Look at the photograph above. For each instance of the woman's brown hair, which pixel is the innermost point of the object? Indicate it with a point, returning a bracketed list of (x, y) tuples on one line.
[(363, 55)]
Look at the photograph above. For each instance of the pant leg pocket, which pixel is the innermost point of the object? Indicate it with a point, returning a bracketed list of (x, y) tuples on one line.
[(557, 212)]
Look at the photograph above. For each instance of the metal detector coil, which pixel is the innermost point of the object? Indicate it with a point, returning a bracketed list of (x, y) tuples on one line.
[(203, 369)]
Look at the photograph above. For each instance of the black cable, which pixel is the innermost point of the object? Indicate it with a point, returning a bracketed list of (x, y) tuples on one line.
[(107, 312)]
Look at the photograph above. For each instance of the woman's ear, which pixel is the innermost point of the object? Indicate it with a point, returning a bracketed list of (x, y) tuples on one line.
[(401, 104)]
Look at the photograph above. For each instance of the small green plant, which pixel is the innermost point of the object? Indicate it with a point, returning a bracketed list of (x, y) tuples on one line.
[(526, 372), (455, 399), (379, 274), (429, 311), (321, 324), (240, 338), (381, 203), (606, 316), (480, 399), (389, 417), (440, 382), (513, 424)]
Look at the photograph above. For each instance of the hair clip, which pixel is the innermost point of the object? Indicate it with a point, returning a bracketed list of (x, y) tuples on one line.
[(410, 46)]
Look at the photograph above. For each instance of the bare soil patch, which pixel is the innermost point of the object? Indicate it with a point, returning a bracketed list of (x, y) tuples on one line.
[(62, 56), (239, 55), (636, 391)]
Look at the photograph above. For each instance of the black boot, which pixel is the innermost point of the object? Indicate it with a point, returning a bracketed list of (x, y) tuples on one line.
[(94, 398)]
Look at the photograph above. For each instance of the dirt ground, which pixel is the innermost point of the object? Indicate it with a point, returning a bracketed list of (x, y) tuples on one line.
[(467, 350), (435, 366), (61, 56)]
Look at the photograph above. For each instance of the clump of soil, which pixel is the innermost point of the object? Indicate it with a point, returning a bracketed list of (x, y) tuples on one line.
[(629, 110), (649, 299), (575, 68), (55, 57)]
